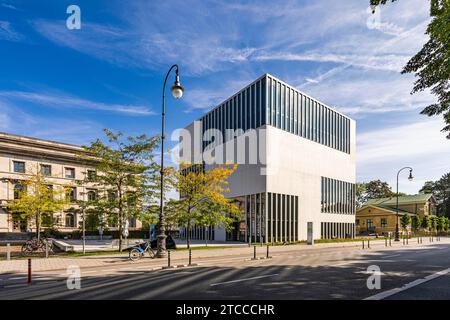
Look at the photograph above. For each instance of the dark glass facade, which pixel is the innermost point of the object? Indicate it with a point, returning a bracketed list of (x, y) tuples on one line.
[(337, 230), (337, 196), (269, 101)]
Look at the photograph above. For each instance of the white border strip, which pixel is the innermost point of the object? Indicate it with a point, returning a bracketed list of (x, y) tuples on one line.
[(388, 293)]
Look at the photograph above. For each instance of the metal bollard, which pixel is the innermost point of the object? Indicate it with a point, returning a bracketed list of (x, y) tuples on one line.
[(407, 240), (254, 252), (8, 251), (46, 250), (363, 244), (168, 258), (29, 271), (390, 242), (190, 257), (385, 242), (368, 244), (267, 253)]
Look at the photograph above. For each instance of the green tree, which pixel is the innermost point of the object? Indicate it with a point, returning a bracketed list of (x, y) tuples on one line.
[(441, 191), (431, 64), (416, 223), (212, 214), (38, 199), (441, 222), (434, 223), (372, 190), (149, 217), (361, 194), (378, 189), (202, 199), (405, 221), (94, 220), (426, 223), (126, 175), (446, 225)]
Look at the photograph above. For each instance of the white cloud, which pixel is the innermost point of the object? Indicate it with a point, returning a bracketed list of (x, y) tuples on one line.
[(211, 96), (357, 92), (144, 49), (388, 62), (65, 129), (66, 101), (8, 6), (421, 145), (8, 33)]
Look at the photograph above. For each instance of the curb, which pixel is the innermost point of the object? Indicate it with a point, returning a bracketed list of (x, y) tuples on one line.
[(258, 258), (180, 266)]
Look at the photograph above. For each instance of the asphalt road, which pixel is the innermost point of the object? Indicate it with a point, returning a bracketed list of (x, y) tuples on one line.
[(333, 273)]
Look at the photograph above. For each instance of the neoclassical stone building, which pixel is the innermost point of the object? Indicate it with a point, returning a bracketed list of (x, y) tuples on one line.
[(22, 156)]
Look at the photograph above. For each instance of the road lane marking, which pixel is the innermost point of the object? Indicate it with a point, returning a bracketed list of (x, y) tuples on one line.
[(245, 279), (392, 255), (388, 293)]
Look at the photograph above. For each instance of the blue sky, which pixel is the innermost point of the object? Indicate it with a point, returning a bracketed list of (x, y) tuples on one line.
[(67, 85)]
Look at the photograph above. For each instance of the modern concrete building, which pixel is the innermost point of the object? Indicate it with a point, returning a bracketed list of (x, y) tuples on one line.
[(21, 157), (296, 157)]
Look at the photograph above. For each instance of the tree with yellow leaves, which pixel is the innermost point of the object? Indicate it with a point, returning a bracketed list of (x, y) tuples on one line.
[(202, 201), (36, 198)]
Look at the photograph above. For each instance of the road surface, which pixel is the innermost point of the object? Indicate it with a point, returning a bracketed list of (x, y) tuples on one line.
[(407, 272)]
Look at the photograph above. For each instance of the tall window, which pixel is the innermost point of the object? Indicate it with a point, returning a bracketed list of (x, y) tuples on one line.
[(19, 166), (337, 196), (50, 189), (274, 103), (92, 195), (112, 196), (283, 107), (18, 190), (70, 173), (91, 175), (253, 106), (70, 220), (46, 169), (72, 194)]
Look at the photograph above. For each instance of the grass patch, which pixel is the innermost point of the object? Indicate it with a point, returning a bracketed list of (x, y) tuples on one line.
[(204, 248), (346, 240)]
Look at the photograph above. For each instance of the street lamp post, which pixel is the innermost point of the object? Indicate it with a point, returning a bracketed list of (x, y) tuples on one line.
[(177, 92), (397, 233)]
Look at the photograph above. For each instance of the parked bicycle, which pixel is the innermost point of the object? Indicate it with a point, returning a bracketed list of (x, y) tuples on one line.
[(139, 250), (34, 245)]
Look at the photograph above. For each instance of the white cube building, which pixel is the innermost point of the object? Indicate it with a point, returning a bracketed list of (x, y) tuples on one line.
[(296, 160)]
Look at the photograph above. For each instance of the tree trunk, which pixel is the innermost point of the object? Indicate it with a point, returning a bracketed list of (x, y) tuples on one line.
[(188, 238), (120, 234), (38, 231), (120, 219)]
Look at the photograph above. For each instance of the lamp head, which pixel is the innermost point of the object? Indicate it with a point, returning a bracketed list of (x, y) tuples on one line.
[(410, 178), (177, 88)]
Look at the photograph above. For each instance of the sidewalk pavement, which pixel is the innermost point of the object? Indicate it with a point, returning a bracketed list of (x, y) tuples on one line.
[(178, 257), (109, 245)]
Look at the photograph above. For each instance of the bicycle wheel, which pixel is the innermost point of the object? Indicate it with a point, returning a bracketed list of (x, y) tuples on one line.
[(26, 249), (151, 253), (135, 254)]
